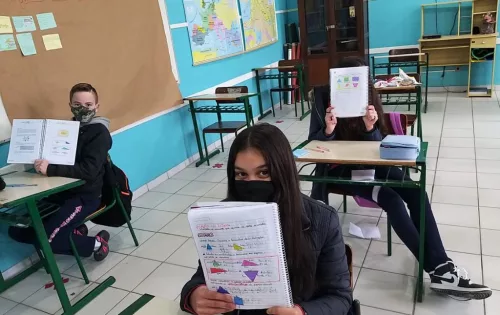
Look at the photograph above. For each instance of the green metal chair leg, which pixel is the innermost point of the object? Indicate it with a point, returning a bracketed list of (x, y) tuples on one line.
[(389, 238), (281, 102), (295, 99), (344, 203), (42, 259), (272, 103), (206, 149), (78, 259), (221, 142), (127, 218)]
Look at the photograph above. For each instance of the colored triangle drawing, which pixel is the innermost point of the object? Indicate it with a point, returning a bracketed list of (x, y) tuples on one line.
[(216, 264), (238, 300), (217, 270), (247, 263), (355, 84), (209, 247), (237, 247), (222, 290), (251, 274)]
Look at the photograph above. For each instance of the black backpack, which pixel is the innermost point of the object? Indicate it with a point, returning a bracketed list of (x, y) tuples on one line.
[(114, 177)]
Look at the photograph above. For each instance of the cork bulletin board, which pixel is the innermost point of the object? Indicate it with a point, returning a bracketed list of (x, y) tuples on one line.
[(118, 46)]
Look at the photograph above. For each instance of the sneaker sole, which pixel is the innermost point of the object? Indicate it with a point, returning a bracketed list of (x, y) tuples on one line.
[(475, 294)]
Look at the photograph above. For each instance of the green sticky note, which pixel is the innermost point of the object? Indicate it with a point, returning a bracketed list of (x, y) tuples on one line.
[(24, 23), (46, 21), (7, 42), (26, 44)]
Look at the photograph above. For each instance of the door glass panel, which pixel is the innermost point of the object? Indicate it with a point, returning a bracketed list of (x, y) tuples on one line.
[(346, 28), (317, 35)]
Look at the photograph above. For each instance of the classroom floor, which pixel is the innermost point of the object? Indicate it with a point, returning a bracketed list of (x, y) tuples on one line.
[(463, 178)]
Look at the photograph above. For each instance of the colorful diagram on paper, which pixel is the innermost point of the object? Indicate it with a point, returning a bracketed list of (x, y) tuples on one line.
[(259, 270), (259, 23), (347, 82), (214, 29)]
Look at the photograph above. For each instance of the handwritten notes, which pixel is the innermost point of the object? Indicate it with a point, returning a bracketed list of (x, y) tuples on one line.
[(7, 42), (24, 23), (25, 41), (242, 254), (52, 41), (5, 25), (46, 21)]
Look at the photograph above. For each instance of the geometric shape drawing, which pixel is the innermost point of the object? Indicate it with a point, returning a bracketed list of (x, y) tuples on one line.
[(209, 247), (251, 274), (217, 270), (222, 290), (216, 264), (247, 263), (238, 300), (355, 84), (237, 247), (355, 79)]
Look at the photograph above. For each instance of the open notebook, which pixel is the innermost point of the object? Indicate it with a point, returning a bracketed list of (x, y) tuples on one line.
[(241, 251)]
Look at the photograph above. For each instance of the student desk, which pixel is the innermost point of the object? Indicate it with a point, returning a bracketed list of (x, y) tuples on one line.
[(151, 305), (404, 100), (367, 153), (18, 205), (299, 74), (218, 109)]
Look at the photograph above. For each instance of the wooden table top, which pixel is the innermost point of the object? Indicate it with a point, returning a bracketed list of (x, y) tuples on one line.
[(398, 88), (348, 152), (44, 184), (220, 97)]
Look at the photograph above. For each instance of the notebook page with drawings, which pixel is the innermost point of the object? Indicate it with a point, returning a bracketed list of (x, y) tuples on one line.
[(242, 253), (349, 91)]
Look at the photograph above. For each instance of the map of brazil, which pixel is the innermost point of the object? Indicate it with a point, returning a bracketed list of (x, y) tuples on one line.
[(214, 29), (259, 23)]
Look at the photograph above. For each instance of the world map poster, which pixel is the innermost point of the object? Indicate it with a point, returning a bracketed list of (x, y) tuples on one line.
[(214, 29), (259, 23)]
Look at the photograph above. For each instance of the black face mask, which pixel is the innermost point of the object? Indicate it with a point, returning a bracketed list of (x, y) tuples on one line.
[(254, 191)]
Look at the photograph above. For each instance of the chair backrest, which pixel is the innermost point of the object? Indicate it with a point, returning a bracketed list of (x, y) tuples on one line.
[(396, 123), (405, 51), (288, 63), (230, 90)]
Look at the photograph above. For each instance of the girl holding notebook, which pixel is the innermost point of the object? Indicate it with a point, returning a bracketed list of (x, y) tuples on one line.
[(446, 277), (261, 168)]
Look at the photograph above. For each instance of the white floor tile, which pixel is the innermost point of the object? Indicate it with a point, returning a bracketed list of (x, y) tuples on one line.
[(213, 176), (178, 226), (6, 305), (166, 281), (124, 243), (382, 225), (457, 142), (96, 269), (431, 164), (487, 143), (219, 191), (154, 220), (186, 255), (367, 310), (455, 195), (359, 249), (457, 133), (470, 262), (458, 179), (457, 153), (196, 188), (490, 218), (489, 198), (433, 141), (131, 271), (401, 261), (347, 218), (123, 304), (456, 165), (190, 173), (488, 166), (489, 242), (171, 186), (488, 154), (159, 246), (150, 200), (24, 310), (386, 290), (490, 271), (467, 216), (136, 214), (104, 303), (177, 203), (488, 181), (111, 230), (460, 239), (493, 303), (27, 287)]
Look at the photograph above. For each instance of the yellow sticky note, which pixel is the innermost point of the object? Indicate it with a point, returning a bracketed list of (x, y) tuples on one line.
[(5, 25), (52, 41)]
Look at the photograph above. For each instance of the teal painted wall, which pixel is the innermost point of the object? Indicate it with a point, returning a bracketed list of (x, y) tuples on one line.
[(154, 147)]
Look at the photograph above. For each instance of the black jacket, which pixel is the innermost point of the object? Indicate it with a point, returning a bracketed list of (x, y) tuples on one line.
[(333, 294), (319, 98), (94, 142)]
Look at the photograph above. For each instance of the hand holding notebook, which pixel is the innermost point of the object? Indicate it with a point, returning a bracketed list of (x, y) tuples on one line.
[(349, 91)]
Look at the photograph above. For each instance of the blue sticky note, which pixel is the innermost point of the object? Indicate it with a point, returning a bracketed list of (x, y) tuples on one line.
[(24, 23), (300, 152), (46, 21), (26, 44), (7, 42)]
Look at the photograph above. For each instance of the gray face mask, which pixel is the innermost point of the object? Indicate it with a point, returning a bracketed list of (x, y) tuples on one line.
[(83, 114)]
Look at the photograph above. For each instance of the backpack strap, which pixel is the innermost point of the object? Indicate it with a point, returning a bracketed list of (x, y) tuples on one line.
[(396, 123)]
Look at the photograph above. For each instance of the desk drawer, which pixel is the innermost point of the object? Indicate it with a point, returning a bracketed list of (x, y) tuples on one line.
[(485, 42)]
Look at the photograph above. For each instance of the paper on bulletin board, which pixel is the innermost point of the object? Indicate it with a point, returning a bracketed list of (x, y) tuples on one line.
[(46, 21), (26, 43), (7, 42), (5, 25), (52, 41), (24, 23)]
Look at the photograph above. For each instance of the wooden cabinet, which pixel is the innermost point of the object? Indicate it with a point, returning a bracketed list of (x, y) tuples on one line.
[(329, 31)]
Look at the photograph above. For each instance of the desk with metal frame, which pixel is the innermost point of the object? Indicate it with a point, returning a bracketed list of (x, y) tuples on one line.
[(299, 75), (218, 109), (18, 205), (367, 153)]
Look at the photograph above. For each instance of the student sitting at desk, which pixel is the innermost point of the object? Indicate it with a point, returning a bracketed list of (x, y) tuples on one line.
[(446, 277), (261, 168), (94, 142)]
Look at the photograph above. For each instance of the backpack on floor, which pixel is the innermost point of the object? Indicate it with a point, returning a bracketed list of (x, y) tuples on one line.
[(114, 177)]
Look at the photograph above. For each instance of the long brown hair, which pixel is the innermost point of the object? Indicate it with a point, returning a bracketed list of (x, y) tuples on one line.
[(353, 128), (275, 148)]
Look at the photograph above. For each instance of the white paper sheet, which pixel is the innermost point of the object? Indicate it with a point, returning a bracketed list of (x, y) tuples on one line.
[(364, 230), (349, 91)]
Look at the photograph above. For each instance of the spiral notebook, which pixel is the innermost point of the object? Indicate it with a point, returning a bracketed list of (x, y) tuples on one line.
[(349, 91), (241, 251)]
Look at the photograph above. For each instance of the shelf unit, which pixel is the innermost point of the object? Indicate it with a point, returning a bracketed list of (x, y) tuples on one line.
[(456, 50)]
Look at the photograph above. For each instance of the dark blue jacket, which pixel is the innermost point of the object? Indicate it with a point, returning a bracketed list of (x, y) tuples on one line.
[(319, 97), (333, 294)]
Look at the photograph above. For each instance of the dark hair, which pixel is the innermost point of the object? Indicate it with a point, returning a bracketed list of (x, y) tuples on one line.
[(275, 148), (83, 87), (352, 128)]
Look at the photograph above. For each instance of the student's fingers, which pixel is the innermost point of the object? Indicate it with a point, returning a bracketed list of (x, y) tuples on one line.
[(212, 295)]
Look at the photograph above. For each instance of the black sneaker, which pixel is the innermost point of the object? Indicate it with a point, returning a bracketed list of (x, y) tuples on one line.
[(449, 279), (103, 251), (81, 230)]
